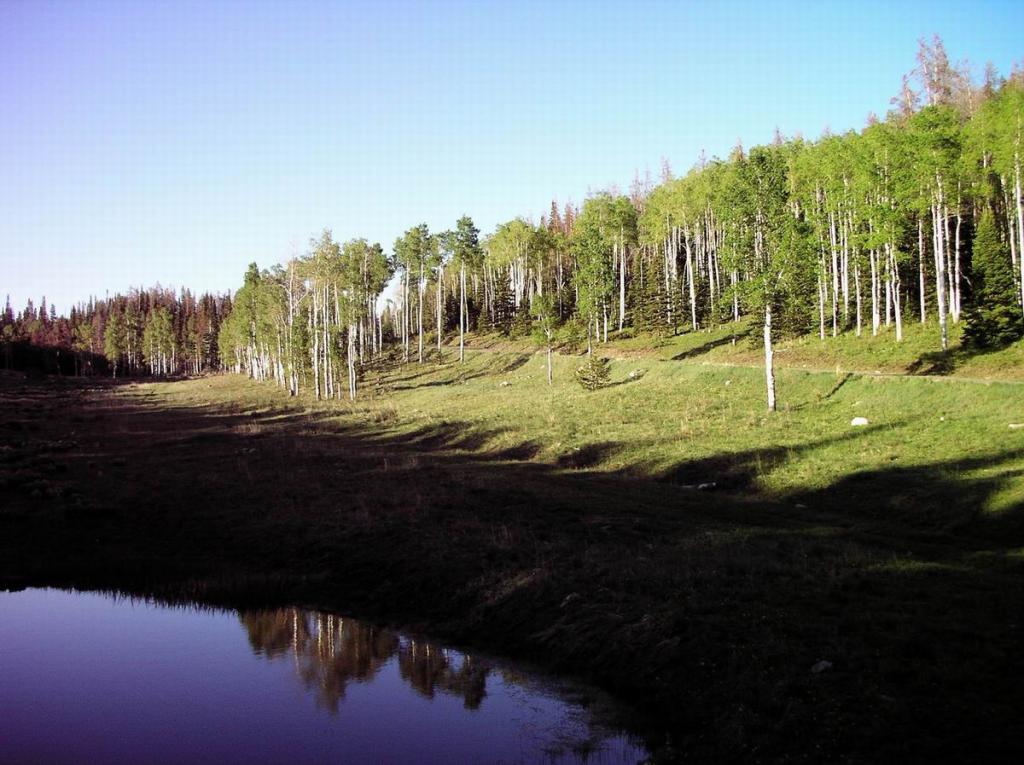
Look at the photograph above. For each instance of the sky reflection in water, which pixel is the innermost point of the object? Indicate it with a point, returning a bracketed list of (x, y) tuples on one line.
[(86, 677)]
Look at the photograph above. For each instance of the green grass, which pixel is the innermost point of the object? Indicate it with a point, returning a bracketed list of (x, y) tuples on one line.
[(731, 344), (478, 503), (694, 423)]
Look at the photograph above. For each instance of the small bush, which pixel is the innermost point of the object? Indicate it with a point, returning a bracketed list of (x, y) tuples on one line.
[(595, 373)]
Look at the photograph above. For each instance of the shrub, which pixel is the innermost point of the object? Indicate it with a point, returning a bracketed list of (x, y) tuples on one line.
[(595, 373)]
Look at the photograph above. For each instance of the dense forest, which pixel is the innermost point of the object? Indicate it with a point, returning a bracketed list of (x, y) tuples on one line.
[(155, 331), (917, 217)]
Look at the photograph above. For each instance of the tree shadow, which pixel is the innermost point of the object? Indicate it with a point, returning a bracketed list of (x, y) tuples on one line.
[(835, 388), (743, 471), (630, 378), (934, 363), (496, 366), (707, 608), (587, 456), (947, 362), (710, 346), (819, 397)]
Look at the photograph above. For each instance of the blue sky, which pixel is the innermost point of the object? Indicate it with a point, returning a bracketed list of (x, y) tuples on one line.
[(172, 142)]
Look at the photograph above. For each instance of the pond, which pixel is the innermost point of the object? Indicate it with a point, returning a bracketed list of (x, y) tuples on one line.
[(88, 677)]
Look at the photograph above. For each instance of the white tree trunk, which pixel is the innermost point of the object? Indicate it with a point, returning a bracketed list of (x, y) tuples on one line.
[(940, 272), (875, 308), (690, 279), (894, 287), (462, 313), (622, 285), (957, 278), (920, 268), (835, 274), (421, 287), (769, 359), (1020, 219), (856, 286), (440, 299), (822, 289)]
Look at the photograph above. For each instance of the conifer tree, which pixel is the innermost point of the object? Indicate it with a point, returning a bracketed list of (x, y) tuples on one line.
[(993, 317)]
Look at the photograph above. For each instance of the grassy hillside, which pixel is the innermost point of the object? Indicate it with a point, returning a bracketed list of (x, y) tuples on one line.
[(664, 535), (918, 354), (691, 423)]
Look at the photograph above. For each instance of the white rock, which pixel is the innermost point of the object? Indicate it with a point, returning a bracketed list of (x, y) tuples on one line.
[(1017, 426), (858, 422)]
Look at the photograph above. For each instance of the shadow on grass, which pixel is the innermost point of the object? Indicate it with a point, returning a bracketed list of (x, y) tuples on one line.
[(710, 345), (935, 363), (588, 456), (707, 608), (500, 365), (947, 362)]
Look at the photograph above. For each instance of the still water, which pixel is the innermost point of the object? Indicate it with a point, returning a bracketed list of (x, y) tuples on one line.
[(86, 677)]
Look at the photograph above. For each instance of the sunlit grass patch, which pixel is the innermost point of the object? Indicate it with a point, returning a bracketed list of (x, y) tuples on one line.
[(691, 424)]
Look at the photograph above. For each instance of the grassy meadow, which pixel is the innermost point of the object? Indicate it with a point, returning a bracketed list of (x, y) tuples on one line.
[(756, 586)]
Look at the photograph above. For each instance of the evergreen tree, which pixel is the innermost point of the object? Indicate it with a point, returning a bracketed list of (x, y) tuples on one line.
[(595, 373), (993, 316)]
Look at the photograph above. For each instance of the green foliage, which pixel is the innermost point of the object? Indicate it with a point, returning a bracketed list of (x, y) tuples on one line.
[(521, 325), (572, 334), (113, 338), (158, 340), (466, 250), (775, 250), (648, 300), (796, 296), (595, 373), (993, 316), (545, 315), (606, 223)]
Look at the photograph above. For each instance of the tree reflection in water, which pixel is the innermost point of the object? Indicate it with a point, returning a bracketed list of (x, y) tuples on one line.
[(331, 651)]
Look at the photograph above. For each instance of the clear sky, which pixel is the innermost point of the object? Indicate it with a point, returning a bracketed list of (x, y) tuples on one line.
[(175, 142)]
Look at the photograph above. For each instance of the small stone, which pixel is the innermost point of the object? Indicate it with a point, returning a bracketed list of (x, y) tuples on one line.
[(858, 422), (569, 599), (821, 666), (1017, 426), (504, 384), (728, 382)]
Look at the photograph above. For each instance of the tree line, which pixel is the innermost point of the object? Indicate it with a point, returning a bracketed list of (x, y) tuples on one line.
[(155, 332), (917, 217)]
